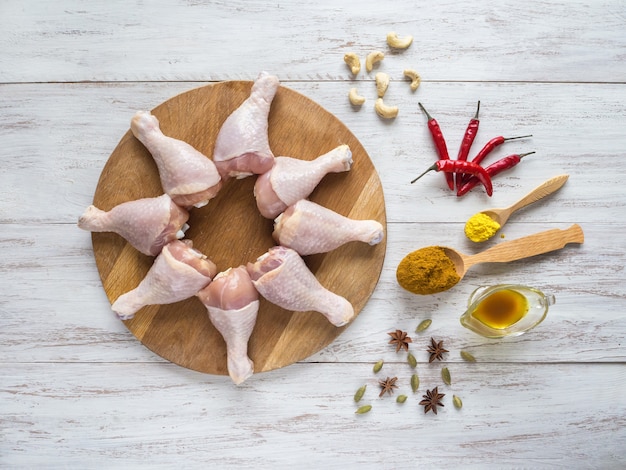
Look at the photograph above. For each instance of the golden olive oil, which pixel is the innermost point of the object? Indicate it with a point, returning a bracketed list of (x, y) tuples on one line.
[(501, 309), (505, 310)]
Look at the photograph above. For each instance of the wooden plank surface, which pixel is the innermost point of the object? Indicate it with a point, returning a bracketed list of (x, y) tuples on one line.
[(513, 416), (78, 390), (173, 40)]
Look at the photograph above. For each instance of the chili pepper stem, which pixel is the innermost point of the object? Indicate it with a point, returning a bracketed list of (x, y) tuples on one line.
[(506, 139), (430, 118), (477, 109), (431, 168), (522, 155)]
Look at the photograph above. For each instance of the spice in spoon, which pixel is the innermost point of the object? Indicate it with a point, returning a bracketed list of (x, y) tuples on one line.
[(480, 227), (427, 271)]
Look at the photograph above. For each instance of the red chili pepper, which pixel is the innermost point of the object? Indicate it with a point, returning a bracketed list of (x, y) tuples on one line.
[(440, 143), (466, 143), (492, 170), (492, 144), (471, 168), (486, 150)]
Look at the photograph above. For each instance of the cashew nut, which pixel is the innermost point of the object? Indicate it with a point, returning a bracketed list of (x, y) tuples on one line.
[(385, 111), (355, 98), (353, 62), (382, 83), (372, 58), (415, 78), (398, 43)]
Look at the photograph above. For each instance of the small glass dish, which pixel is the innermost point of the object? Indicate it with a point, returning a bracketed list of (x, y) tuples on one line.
[(505, 310)]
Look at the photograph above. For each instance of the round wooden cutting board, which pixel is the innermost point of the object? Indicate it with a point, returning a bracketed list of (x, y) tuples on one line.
[(231, 232)]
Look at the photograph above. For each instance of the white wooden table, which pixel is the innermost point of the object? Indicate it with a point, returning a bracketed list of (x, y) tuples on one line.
[(78, 390)]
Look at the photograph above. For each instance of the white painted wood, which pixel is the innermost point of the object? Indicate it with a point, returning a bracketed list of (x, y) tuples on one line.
[(77, 390), (159, 415), (555, 41)]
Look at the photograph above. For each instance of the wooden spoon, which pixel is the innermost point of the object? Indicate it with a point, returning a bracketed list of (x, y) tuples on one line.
[(541, 191), (525, 247)]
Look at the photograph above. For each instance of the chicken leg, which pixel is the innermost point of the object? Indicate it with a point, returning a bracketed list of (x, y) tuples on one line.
[(147, 224), (310, 228), (187, 175), (232, 303), (179, 272), (291, 179), (242, 144), (282, 277)]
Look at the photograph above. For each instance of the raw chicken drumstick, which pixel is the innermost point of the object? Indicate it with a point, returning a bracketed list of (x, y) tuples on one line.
[(310, 228), (291, 179), (178, 273), (147, 224), (187, 175), (242, 144), (233, 303), (282, 277)]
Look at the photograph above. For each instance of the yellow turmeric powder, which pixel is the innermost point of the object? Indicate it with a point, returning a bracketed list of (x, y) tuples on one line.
[(427, 271), (480, 227)]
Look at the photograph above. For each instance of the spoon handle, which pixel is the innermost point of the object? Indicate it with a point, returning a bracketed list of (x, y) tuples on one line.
[(540, 191), (525, 247)]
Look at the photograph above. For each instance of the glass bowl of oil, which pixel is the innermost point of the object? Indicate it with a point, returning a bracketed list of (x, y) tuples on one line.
[(505, 310)]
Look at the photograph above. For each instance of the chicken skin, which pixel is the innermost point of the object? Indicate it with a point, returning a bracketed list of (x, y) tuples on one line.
[(291, 179), (242, 144), (232, 303), (147, 224), (310, 228), (179, 272), (282, 277), (187, 175)]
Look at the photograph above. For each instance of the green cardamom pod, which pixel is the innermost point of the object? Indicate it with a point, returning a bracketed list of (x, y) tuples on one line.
[(467, 356), (401, 398), (411, 360), (415, 382), (363, 409), (378, 366), (457, 401), (423, 325), (359, 393), (445, 375)]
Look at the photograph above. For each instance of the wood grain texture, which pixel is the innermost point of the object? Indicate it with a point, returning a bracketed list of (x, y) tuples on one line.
[(78, 390), (177, 40), (231, 231), (520, 248), (512, 417)]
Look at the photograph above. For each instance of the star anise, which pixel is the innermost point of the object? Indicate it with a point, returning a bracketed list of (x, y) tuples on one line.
[(400, 339), (432, 400), (387, 385), (436, 350)]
